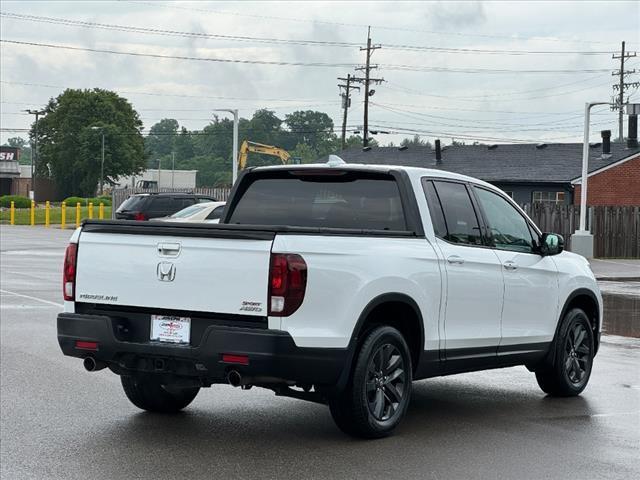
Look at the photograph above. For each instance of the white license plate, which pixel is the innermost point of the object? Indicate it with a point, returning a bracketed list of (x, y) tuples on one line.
[(171, 329)]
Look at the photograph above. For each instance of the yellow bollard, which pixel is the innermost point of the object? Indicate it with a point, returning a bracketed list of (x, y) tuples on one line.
[(33, 212), (101, 211), (47, 206), (90, 210), (63, 215), (12, 214), (77, 214)]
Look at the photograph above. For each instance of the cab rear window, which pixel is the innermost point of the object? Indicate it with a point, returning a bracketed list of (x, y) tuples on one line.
[(346, 200)]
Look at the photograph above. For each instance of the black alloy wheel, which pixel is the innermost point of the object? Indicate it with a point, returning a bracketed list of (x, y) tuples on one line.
[(385, 384), (577, 354), (567, 370), (377, 394)]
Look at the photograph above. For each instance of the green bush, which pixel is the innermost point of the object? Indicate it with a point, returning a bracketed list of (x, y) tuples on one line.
[(71, 201), (106, 200), (18, 200)]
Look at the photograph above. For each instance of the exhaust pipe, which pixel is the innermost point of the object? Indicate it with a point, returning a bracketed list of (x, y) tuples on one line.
[(92, 365), (234, 378)]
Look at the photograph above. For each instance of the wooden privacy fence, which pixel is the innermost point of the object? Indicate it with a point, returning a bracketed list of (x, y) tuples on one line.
[(616, 230), (119, 196)]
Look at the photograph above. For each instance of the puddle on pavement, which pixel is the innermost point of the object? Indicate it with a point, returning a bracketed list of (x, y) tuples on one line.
[(621, 315)]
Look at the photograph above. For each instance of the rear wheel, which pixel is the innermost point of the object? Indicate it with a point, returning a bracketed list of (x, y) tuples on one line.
[(147, 393), (570, 370), (377, 397)]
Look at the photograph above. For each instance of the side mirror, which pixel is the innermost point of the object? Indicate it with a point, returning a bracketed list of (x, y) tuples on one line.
[(551, 244)]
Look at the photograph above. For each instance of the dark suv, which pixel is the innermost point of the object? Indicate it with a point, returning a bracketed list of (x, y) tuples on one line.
[(144, 206)]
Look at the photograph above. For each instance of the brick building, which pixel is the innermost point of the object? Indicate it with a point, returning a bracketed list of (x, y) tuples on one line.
[(615, 184)]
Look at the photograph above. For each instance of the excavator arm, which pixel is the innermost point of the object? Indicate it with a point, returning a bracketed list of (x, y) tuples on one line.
[(254, 147)]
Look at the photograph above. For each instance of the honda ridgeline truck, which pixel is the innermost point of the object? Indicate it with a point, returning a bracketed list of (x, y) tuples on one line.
[(334, 283)]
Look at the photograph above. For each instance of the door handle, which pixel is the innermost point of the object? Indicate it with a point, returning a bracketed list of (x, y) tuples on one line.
[(455, 259), (169, 249), (509, 265)]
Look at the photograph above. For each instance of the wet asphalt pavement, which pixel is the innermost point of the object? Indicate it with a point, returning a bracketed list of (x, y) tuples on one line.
[(60, 422)]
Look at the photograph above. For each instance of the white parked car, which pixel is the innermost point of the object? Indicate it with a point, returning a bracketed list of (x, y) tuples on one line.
[(334, 283), (208, 212)]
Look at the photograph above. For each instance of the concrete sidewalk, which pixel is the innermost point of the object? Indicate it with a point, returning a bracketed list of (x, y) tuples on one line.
[(616, 270)]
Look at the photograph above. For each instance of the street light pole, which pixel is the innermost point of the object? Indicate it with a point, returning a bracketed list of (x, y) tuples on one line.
[(234, 112), (582, 239)]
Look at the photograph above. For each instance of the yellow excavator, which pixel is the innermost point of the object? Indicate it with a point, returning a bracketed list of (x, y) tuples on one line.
[(254, 147)]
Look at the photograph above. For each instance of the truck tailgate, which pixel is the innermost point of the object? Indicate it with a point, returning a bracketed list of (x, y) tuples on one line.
[(195, 269)]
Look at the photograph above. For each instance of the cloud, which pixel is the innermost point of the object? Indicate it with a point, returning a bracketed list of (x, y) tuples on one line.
[(452, 15)]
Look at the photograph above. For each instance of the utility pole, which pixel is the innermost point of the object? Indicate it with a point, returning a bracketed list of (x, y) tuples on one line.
[(367, 81), (34, 153), (622, 86), (346, 103)]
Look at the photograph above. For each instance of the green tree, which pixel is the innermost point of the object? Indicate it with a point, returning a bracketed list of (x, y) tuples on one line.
[(183, 146), (312, 128), (160, 141), (70, 149)]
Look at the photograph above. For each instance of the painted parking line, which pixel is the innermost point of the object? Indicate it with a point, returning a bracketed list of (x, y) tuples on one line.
[(32, 298)]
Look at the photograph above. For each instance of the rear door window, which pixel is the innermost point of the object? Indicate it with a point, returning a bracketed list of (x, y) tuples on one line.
[(459, 215), (133, 203), (339, 200)]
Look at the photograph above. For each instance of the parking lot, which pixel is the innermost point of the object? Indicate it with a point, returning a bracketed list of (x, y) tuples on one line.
[(60, 422)]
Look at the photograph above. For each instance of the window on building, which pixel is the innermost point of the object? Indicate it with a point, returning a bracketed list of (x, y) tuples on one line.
[(548, 197)]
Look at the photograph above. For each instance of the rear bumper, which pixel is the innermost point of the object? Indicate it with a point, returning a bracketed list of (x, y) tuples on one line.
[(271, 353)]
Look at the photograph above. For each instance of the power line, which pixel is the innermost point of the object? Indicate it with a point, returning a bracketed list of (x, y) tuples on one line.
[(180, 57), (271, 40), (157, 94), (408, 68)]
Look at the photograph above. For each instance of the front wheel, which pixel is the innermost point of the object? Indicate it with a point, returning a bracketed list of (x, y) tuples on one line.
[(377, 397), (149, 394), (570, 370)]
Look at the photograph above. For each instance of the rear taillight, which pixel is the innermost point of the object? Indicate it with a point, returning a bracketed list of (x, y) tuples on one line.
[(69, 272), (287, 283), (139, 216)]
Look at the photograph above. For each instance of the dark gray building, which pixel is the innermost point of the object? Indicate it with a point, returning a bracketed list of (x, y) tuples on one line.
[(528, 172)]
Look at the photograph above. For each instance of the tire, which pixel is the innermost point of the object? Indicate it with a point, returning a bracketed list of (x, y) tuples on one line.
[(569, 373), (378, 394), (147, 393)]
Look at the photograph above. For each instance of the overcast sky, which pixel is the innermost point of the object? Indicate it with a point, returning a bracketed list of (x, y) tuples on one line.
[(465, 97)]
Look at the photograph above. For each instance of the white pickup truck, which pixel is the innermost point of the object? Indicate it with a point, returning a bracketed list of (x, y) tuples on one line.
[(335, 283)]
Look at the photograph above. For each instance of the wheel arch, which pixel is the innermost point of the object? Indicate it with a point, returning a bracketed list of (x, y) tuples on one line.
[(586, 300), (410, 322)]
